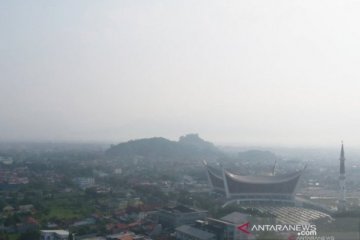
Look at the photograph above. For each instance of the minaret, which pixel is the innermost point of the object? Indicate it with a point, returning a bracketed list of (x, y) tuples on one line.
[(342, 200), (273, 170)]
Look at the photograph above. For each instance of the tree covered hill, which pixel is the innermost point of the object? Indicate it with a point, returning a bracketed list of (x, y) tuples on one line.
[(188, 147)]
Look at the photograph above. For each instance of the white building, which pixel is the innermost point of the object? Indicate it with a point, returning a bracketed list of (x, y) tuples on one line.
[(84, 182), (54, 235)]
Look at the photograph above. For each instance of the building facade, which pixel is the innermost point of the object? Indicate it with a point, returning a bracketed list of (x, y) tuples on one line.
[(186, 232), (179, 215), (54, 235), (256, 188)]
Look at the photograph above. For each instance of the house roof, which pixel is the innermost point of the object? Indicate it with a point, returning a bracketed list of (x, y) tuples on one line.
[(194, 232)]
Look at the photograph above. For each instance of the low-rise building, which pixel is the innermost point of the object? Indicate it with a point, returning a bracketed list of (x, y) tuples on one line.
[(54, 235), (179, 215), (225, 228), (186, 232), (85, 182), (126, 236)]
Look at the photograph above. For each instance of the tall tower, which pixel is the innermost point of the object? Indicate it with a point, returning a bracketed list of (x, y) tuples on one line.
[(342, 200)]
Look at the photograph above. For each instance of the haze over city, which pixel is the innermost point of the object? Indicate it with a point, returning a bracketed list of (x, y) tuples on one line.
[(178, 120), (236, 72)]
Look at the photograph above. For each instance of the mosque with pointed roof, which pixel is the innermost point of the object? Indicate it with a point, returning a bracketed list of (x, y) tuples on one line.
[(253, 188)]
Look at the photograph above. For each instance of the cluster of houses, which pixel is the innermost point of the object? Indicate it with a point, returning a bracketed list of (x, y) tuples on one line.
[(18, 220), (9, 178)]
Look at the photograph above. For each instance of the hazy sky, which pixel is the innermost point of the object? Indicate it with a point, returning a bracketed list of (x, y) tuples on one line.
[(248, 72)]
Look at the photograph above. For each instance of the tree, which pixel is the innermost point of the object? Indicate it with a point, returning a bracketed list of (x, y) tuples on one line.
[(31, 235)]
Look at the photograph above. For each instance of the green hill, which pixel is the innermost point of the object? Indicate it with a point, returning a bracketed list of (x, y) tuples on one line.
[(189, 147)]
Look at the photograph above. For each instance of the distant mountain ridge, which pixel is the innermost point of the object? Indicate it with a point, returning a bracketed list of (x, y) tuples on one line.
[(188, 147)]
